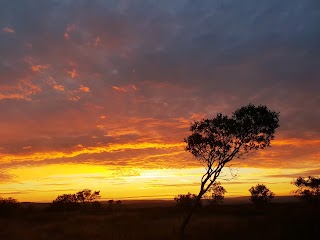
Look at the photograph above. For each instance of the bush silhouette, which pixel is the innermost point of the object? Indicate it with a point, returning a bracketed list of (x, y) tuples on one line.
[(308, 189), (260, 195), (186, 201), (8, 206)]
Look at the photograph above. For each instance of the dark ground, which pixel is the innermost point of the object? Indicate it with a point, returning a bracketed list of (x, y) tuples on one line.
[(292, 220)]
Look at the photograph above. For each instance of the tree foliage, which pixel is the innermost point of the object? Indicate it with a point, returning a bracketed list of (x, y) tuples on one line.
[(215, 142), (260, 195), (308, 189), (186, 201), (215, 194), (87, 196)]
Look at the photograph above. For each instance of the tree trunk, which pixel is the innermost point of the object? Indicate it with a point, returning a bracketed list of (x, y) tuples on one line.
[(189, 215)]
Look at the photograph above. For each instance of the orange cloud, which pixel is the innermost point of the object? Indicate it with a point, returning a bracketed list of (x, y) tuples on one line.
[(198, 116), (39, 156), (296, 142), (28, 87), (119, 89), (125, 88), (12, 96), (59, 88), (8, 30), (74, 98), (23, 90), (73, 73), (27, 147), (38, 68), (121, 132), (84, 88)]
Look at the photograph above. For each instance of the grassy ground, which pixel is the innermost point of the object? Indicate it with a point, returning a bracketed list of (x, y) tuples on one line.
[(278, 221)]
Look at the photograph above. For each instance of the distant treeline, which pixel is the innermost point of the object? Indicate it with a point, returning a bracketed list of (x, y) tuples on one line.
[(308, 190)]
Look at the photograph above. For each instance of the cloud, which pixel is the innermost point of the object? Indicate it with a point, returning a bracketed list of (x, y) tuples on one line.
[(126, 88), (24, 90), (8, 30), (5, 177), (84, 89), (39, 68), (311, 172), (59, 88)]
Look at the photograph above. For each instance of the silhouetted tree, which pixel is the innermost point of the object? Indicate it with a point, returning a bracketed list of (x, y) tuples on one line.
[(87, 196), (308, 189), (186, 201), (215, 194), (215, 142), (260, 195), (8, 205)]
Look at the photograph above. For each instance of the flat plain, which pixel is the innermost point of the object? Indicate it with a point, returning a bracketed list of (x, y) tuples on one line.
[(161, 220)]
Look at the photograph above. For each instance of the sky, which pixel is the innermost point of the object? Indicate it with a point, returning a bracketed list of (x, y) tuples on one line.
[(100, 94)]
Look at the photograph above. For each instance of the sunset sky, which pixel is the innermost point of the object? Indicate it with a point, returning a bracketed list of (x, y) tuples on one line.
[(100, 94)]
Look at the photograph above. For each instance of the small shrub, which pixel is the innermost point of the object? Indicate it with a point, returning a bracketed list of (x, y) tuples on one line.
[(186, 201), (260, 195)]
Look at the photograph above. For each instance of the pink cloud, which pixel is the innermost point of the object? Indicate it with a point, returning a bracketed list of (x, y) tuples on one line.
[(8, 30)]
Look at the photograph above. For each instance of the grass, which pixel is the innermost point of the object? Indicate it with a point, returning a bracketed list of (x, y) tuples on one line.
[(278, 221)]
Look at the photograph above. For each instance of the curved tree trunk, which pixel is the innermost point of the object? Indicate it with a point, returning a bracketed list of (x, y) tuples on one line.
[(189, 215)]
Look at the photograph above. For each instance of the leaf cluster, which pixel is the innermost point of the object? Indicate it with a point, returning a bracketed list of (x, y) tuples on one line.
[(308, 189)]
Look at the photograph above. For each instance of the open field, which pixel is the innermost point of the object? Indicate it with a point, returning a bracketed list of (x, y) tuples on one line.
[(140, 221)]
